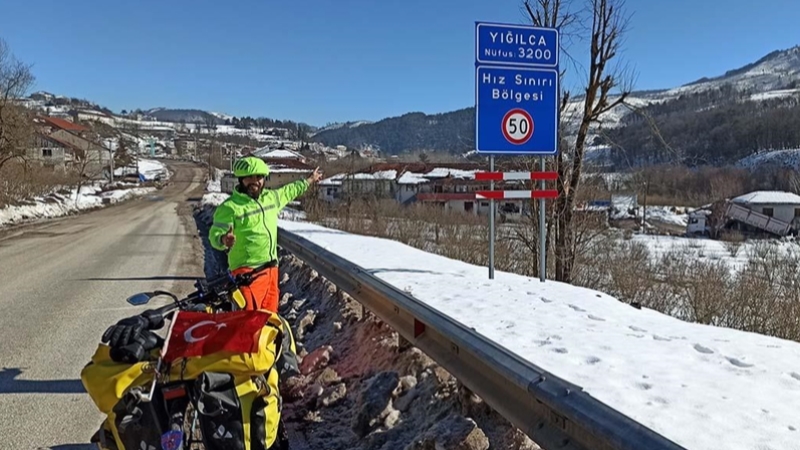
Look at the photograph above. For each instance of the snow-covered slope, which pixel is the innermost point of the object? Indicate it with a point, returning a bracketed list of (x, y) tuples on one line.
[(335, 126), (781, 158), (775, 75), (774, 71)]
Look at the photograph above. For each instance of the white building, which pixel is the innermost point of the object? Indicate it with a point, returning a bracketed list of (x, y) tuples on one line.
[(330, 188), (774, 212), (784, 206)]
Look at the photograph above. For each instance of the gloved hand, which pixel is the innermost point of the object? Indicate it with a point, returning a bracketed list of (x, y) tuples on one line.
[(138, 349), (126, 330)]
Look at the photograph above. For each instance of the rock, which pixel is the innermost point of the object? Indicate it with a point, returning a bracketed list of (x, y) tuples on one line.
[(337, 326), (332, 395), (453, 433), (312, 391), (391, 419), (402, 403), (327, 377), (312, 416), (316, 360), (297, 304), (305, 322), (292, 389), (408, 382), (375, 402)]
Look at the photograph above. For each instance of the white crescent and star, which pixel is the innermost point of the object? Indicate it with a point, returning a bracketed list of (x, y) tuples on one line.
[(189, 336)]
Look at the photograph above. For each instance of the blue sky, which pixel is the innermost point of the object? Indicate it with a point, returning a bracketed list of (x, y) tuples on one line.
[(322, 61)]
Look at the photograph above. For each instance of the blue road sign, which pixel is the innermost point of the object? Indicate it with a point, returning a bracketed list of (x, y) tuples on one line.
[(518, 45), (516, 110), (516, 89)]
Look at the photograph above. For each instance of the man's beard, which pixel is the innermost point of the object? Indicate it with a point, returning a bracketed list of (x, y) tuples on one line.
[(252, 190)]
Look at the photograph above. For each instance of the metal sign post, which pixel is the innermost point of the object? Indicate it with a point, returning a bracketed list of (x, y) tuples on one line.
[(492, 213), (516, 108), (542, 229)]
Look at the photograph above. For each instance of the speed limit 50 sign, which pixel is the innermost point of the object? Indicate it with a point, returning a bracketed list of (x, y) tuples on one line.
[(517, 126)]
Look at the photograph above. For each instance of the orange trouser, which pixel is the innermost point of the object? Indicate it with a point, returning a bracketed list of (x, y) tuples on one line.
[(262, 293)]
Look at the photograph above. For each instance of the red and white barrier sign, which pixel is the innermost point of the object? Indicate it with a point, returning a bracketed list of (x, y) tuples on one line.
[(519, 176), (504, 195), (504, 176)]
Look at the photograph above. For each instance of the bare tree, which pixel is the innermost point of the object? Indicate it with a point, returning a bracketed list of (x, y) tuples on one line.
[(87, 166), (16, 125), (606, 87)]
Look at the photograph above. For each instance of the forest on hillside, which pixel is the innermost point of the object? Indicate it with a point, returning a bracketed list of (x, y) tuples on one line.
[(453, 132)]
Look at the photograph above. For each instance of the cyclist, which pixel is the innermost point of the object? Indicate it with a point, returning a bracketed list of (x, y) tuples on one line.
[(246, 227)]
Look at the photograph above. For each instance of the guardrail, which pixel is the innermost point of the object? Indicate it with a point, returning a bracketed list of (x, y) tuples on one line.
[(553, 412)]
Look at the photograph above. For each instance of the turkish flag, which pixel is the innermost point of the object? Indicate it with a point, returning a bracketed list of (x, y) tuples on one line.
[(199, 334)]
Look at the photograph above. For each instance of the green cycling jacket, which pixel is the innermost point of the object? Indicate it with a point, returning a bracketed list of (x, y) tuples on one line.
[(254, 222)]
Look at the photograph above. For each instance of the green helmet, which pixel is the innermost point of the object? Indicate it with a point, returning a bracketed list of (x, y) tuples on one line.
[(250, 166)]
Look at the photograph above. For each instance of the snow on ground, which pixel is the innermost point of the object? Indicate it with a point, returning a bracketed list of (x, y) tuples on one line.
[(701, 386), (148, 169), (215, 185), (212, 199), (667, 214), (151, 169), (671, 215), (58, 204), (710, 250)]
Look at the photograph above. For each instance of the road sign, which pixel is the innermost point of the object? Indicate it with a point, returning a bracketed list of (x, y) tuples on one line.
[(516, 111), (517, 176), (516, 107), (516, 89), (520, 45)]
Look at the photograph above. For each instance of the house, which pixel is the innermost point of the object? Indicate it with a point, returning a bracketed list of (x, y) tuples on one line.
[(366, 184), (79, 141), (92, 115), (784, 206), (449, 186), (50, 124), (330, 189), (266, 153), (759, 213), (458, 194), (285, 171), (186, 146), (94, 154), (48, 151)]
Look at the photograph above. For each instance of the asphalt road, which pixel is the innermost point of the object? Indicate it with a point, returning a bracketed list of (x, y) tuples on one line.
[(62, 283)]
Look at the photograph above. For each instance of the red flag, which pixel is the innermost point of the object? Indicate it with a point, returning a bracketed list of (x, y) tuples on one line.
[(199, 334)]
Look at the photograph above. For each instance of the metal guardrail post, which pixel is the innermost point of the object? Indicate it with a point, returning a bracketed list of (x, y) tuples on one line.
[(553, 412)]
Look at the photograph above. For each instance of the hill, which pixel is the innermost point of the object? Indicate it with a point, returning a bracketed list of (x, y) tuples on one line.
[(184, 115), (710, 120), (451, 132)]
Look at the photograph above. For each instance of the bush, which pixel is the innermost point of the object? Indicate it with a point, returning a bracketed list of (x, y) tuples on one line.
[(20, 182)]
